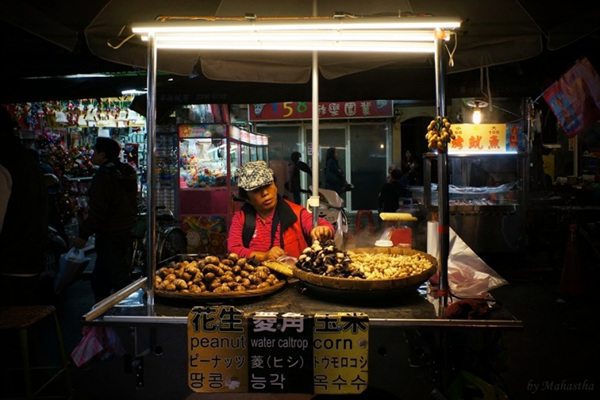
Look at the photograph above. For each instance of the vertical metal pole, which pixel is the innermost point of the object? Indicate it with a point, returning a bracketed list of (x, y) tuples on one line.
[(443, 207), (314, 199), (315, 138), (524, 160), (151, 170), (575, 155)]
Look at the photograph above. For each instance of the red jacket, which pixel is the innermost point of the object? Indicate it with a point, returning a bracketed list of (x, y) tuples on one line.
[(294, 220)]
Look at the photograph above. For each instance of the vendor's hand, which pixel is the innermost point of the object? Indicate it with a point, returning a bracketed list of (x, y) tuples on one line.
[(275, 252), (78, 242), (321, 233)]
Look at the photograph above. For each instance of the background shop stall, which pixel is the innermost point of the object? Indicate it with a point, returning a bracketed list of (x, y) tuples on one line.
[(209, 155), (488, 182)]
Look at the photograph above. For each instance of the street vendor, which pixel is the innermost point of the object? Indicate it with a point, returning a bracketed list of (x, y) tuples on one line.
[(268, 226)]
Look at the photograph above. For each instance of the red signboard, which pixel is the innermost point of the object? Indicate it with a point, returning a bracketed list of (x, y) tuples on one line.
[(292, 110)]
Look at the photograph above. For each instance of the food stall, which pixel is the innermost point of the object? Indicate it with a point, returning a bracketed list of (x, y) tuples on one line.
[(488, 185), (311, 337)]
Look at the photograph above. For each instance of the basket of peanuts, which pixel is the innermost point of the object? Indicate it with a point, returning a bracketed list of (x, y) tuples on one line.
[(364, 269)]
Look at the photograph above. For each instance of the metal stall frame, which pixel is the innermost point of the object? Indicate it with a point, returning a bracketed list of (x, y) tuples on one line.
[(435, 31)]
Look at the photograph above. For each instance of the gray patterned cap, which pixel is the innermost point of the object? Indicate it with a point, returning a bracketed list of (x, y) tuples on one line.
[(254, 174)]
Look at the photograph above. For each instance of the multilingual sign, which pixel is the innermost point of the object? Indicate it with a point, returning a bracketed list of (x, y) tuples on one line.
[(273, 352), (341, 352), (217, 350), (280, 353)]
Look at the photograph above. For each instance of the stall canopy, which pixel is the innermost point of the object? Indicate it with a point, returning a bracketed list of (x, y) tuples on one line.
[(492, 33), (95, 37)]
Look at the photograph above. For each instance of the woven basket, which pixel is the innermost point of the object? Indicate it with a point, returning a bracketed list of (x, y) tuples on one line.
[(211, 296), (356, 284)]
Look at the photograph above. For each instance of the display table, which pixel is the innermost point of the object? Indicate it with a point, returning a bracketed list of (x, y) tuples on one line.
[(157, 336), (410, 309)]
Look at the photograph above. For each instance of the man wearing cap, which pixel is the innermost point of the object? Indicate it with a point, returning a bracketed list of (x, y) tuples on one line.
[(268, 226), (112, 214)]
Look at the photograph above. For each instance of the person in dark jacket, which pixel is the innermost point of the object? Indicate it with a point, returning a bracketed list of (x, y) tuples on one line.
[(24, 231), (54, 190), (294, 168), (393, 191), (112, 214), (334, 176)]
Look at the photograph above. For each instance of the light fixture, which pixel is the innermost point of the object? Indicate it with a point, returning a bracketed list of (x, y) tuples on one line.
[(391, 35), (477, 116), (477, 105), (133, 92)]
